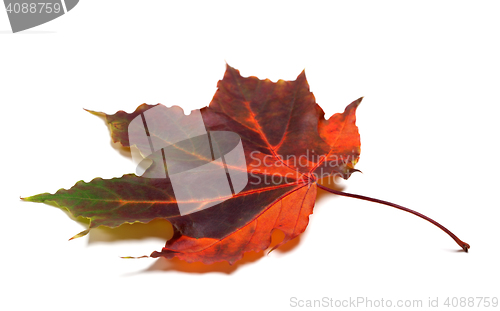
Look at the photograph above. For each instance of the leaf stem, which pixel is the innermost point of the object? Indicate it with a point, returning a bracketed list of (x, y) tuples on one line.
[(462, 244)]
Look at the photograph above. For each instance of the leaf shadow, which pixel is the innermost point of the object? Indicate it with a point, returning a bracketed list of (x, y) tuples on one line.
[(331, 182), (455, 250), (175, 264), (162, 228), (85, 222), (157, 228), (123, 151)]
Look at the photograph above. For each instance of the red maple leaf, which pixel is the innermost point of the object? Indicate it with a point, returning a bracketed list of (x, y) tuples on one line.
[(288, 147)]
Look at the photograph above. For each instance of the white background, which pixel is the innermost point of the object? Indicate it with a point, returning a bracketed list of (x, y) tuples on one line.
[(429, 72)]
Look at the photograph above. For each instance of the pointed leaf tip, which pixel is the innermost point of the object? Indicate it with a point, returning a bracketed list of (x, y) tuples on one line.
[(79, 235), (96, 113), (39, 198), (354, 105)]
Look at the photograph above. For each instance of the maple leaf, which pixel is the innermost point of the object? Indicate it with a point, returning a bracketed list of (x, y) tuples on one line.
[(288, 146)]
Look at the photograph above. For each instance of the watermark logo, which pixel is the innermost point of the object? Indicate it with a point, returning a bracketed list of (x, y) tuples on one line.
[(205, 167), (26, 14)]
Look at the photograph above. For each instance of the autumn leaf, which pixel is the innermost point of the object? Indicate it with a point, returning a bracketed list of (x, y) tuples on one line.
[(288, 146)]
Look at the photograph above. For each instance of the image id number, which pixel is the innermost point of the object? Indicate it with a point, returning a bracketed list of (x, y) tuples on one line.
[(33, 8)]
